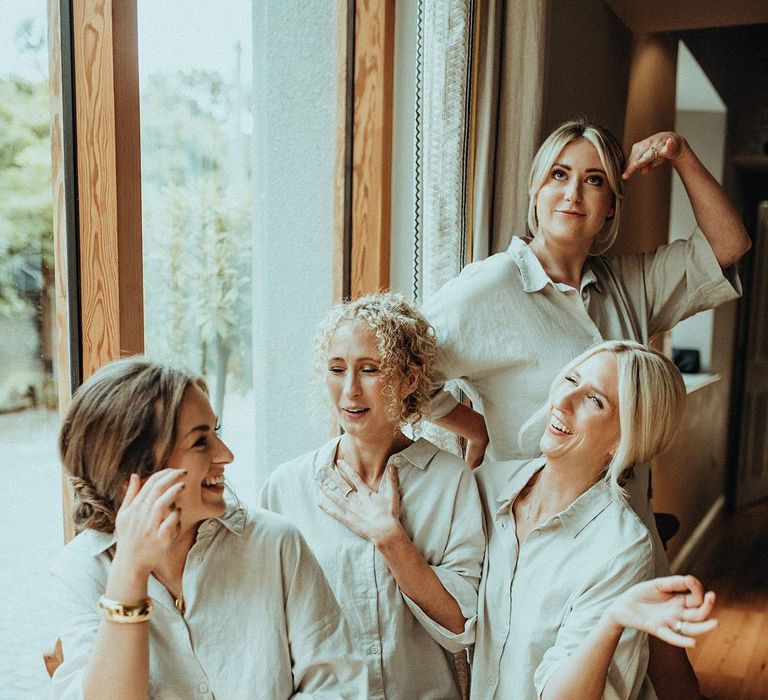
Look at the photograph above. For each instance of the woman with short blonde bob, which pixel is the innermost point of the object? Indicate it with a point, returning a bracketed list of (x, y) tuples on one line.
[(167, 578), (560, 615), (396, 523)]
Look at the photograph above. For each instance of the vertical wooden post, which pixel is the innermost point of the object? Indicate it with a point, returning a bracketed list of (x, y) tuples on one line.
[(109, 180), (64, 286), (342, 202), (372, 145)]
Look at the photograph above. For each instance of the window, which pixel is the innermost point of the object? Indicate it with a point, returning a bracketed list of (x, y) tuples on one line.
[(30, 502), (238, 122)]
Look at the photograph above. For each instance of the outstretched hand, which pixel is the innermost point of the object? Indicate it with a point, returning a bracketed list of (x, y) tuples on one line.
[(675, 609), (148, 521), (652, 152), (373, 515)]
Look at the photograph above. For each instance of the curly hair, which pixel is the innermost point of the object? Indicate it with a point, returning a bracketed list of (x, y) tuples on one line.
[(121, 421), (406, 344)]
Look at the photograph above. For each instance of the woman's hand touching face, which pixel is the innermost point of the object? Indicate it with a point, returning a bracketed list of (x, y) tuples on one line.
[(148, 520)]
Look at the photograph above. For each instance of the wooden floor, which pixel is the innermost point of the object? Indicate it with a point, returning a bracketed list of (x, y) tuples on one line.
[(732, 662)]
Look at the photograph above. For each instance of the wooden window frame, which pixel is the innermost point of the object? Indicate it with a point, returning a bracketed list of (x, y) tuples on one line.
[(96, 157)]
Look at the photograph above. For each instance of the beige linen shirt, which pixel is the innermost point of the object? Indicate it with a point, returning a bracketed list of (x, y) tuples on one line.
[(407, 652), (260, 620), (539, 600), (504, 330)]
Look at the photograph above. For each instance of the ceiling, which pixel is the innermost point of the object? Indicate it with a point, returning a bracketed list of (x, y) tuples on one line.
[(646, 16)]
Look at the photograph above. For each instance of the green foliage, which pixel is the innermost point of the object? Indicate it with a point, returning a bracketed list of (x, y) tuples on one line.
[(26, 234), (197, 230)]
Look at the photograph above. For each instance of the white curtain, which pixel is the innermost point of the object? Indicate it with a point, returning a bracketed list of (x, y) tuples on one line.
[(479, 88), (479, 77)]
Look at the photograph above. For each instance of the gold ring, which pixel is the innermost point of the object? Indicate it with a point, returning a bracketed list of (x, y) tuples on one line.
[(351, 489), (679, 627)]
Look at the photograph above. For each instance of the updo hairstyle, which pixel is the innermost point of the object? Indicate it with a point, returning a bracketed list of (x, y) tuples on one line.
[(122, 421)]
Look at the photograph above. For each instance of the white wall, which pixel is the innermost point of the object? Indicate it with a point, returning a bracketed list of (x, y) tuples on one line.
[(700, 117), (294, 81)]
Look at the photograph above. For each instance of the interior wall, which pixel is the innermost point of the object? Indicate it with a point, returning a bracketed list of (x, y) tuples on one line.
[(293, 172), (586, 66), (705, 132), (689, 478), (736, 61), (650, 108)]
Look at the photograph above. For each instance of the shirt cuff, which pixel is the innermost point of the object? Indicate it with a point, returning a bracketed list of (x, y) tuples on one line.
[(709, 279), (451, 641), (442, 403)]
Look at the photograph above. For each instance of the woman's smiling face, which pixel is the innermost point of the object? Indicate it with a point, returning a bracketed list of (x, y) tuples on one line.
[(199, 450), (583, 418), (575, 200)]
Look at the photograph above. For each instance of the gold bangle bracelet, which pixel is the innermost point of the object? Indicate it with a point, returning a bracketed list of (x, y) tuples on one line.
[(124, 614)]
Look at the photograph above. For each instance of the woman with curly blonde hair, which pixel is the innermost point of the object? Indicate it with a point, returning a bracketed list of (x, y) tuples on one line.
[(395, 523)]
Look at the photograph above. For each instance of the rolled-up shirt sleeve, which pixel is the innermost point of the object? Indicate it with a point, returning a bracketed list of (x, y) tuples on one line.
[(678, 280), (628, 567), (460, 567)]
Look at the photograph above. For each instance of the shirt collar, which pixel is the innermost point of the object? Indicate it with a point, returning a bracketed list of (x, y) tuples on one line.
[(576, 516), (516, 482), (533, 275), (233, 519), (419, 454)]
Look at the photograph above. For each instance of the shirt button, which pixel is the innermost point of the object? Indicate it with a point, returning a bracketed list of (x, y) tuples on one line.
[(198, 560), (370, 594), (585, 295), (398, 460), (373, 649), (502, 525), (491, 681), (203, 687)]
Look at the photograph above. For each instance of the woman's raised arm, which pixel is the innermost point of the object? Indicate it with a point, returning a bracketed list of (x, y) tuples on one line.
[(715, 215), (146, 527)]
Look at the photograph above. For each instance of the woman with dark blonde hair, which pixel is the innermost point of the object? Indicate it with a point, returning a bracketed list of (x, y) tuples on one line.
[(169, 589), (395, 523), (506, 324), (565, 599)]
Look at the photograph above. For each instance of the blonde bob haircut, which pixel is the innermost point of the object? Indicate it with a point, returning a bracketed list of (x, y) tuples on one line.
[(651, 396), (611, 157), (121, 421), (406, 344)]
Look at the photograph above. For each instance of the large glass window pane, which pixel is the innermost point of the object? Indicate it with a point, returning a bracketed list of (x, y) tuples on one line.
[(237, 125), (30, 501)]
